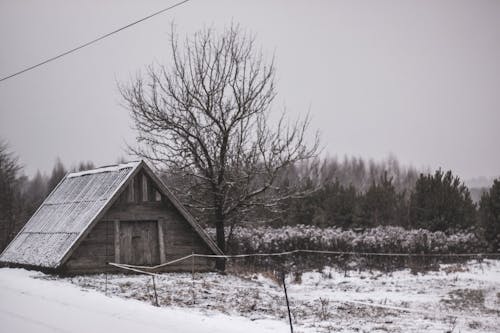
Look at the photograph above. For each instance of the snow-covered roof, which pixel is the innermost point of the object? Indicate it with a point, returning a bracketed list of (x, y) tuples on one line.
[(64, 215), (109, 168), (72, 207)]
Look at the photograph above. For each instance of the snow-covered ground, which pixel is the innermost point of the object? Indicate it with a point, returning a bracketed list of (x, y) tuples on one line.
[(31, 303), (457, 298)]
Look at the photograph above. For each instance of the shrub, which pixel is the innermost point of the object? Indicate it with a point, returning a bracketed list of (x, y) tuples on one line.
[(387, 239)]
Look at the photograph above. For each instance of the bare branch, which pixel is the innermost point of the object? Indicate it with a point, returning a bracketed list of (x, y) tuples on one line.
[(205, 119)]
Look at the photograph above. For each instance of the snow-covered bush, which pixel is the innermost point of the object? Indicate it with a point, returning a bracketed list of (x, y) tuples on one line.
[(386, 239), (379, 240)]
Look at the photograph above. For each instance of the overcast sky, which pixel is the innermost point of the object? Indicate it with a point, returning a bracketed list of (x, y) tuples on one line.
[(418, 79)]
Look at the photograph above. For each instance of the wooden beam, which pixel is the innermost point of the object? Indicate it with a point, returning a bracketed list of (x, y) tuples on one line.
[(117, 241), (151, 190), (161, 242), (131, 194), (144, 189), (138, 187)]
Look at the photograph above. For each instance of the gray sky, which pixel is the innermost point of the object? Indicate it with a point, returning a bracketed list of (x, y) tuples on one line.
[(419, 79)]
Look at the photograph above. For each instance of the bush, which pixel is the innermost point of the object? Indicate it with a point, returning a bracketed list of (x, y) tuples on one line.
[(387, 239)]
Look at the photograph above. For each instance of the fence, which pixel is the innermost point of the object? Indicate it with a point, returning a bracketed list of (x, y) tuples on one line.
[(281, 263), (303, 259)]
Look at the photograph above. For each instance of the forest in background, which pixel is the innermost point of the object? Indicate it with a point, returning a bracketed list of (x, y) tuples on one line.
[(20, 196), (351, 194)]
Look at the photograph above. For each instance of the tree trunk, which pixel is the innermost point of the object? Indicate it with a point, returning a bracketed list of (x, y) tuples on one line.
[(220, 263)]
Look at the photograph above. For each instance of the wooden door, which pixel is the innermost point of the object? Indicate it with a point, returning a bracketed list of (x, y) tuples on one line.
[(139, 243)]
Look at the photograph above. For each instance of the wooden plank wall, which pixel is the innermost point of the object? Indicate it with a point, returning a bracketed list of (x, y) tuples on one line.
[(179, 239), (140, 203), (95, 251)]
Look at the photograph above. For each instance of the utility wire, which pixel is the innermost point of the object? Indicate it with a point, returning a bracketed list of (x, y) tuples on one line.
[(93, 41)]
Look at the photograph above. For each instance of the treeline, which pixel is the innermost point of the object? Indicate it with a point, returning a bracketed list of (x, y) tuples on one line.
[(20, 195), (354, 193), (358, 194), (351, 194)]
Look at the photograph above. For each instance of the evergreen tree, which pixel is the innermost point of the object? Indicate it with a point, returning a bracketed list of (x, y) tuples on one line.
[(402, 217), (341, 204), (441, 202), (304, 210), (331, 205), (9, 195), (84, 166), (489, 215), (58, 172), (379, 203), (35, 193)]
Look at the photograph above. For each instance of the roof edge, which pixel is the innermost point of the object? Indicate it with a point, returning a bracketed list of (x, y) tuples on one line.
[(107, 168)]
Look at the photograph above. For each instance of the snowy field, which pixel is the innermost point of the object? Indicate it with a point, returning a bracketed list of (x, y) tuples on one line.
[(32, 303), (457, 298)]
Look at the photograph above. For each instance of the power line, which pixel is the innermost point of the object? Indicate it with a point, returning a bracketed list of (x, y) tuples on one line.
[(93, 41)]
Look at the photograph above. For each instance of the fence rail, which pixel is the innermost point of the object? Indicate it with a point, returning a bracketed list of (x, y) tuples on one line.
[(286, 253)]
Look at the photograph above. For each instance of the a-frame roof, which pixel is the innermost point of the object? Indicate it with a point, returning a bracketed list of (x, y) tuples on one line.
[(73, 207)]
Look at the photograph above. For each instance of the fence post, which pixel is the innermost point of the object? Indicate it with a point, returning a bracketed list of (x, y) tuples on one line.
[(154, 288), (192, 278), (287, 303)]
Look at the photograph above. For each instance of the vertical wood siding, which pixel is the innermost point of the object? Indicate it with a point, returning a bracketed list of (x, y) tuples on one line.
[(168, 235)]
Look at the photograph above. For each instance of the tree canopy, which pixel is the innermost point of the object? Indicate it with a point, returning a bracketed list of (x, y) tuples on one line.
[(206, 117), (441, 202), (489, 215)]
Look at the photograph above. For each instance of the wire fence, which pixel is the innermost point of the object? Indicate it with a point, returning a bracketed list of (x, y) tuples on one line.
[(293, 254), (290, 266)]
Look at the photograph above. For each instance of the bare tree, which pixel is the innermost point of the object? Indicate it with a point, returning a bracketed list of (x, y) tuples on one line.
[(9, 194), (206, 116)]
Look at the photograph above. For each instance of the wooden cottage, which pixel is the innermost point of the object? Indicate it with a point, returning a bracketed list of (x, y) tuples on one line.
[(122, 213)]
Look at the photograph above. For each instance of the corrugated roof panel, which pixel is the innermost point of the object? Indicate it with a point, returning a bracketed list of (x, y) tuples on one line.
[(38, 249), (64, 215)]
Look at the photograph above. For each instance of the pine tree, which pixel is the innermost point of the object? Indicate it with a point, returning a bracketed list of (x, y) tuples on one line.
[(84, 166), (9, 195), (35, 193), (58, 172), (489, 216), (379, 203), (343, 206), (441, 202)]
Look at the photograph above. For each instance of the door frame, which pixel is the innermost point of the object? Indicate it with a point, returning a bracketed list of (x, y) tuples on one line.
[(160, 229)]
